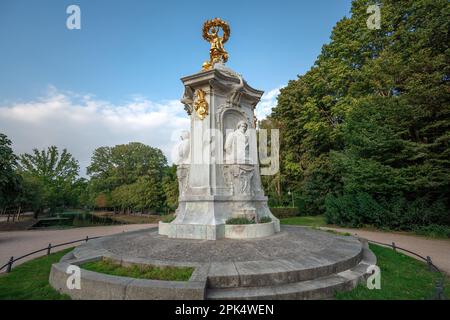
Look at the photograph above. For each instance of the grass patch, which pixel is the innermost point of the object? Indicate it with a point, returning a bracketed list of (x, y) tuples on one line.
[(140, 271), (239, 221), (29, 281), (310, 221), (402, 278)]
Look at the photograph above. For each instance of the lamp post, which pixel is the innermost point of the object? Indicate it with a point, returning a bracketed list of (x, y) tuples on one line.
[(292, 194)]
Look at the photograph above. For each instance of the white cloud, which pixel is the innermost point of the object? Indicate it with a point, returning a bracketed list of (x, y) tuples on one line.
[(82, 123), (268, 101)]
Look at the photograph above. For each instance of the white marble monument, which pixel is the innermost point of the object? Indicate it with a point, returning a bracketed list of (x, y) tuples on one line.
[(217, 162)]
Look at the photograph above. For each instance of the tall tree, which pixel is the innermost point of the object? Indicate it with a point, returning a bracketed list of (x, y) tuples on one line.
[(129, 176), (369, 124), (10, 182), (56, 173)]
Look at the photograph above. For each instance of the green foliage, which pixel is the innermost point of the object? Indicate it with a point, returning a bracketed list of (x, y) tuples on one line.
[(397, 213), (131, 178), (310, 221), (365, 133), (168, 218), (239, 221), (49, 178), (108, 266), (265, 220), (284, 212), (10, 182), (170, 187), (29, 281), (402, 278), (433, 231)]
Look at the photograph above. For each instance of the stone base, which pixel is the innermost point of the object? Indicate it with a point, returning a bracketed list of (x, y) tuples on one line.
[(214, 232), (192, 231), (296, 263), (204, 217)]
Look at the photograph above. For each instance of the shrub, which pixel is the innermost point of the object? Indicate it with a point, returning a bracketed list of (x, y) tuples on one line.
[(265, 219), (168, 218), (433, 230), (285, 212), (396, 212), (239, 221)]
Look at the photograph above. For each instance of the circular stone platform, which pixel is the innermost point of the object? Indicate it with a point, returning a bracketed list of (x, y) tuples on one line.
[(297, 263)]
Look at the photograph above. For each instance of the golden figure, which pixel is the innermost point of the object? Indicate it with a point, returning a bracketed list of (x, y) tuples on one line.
[(217, 52), (200, 104)]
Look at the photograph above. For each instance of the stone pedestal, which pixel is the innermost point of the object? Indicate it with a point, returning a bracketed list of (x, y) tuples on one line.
[(221, 179)]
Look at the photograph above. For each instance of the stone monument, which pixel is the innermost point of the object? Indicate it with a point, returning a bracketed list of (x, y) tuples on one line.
[(219, 178), (217, 166)]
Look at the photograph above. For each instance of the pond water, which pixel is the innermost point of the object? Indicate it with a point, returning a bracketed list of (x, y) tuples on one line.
[(73, 219)]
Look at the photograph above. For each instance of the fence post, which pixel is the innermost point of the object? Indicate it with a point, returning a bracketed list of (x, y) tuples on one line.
[(394, 247), (429, 263), (49, 248), (10, 263), (439, 294)]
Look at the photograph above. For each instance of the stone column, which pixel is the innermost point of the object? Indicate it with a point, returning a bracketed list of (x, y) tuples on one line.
[(217, 101)]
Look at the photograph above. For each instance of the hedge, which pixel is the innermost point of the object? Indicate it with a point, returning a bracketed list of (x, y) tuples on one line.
[(285, 212)]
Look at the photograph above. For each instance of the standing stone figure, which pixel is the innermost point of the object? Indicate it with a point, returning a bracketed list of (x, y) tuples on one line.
[(237, 145), (183, 160), (183, 149)]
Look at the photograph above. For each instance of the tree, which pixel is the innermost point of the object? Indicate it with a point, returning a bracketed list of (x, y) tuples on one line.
[(368, 126), (55, 174), (132, 174), (170, 187), (10, 182)]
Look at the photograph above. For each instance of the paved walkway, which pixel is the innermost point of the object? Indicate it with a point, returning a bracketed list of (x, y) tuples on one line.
[(437, 249), (18, 243)]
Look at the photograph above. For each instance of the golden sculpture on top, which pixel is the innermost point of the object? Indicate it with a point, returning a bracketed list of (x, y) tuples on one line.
[(217, 52)]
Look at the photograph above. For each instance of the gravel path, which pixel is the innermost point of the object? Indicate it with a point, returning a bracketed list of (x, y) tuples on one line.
[(437, 249), (18, 243)]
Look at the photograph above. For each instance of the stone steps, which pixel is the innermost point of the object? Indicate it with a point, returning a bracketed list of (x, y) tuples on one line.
[(319, 288)]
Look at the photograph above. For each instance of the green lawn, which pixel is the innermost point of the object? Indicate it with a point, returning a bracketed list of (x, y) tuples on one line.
[(141, 272), (402, 277), (310, 221), (29, 281)]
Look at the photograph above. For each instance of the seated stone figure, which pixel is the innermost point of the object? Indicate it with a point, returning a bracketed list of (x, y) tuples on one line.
[(237, 145)]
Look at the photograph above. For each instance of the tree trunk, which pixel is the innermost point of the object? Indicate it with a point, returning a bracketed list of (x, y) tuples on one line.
[(36, 213), (18, 213)]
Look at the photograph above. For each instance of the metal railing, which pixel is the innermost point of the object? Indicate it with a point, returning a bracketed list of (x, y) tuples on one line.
[(438, 295), (12, 260), (439, 289)]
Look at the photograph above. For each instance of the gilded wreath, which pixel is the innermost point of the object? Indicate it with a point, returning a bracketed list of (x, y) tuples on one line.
[(217, 52)]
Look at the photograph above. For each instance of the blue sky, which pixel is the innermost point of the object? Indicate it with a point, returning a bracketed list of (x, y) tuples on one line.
[(129, 56)]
